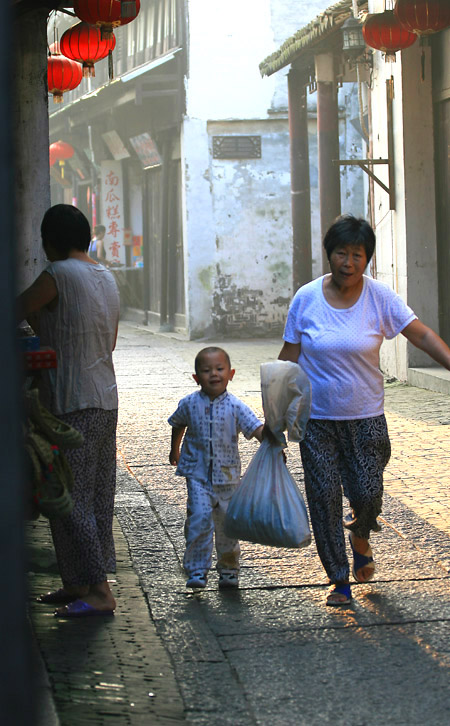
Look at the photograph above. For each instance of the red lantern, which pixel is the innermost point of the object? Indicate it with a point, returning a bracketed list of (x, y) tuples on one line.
[(60, 151), (423, 16), (62, 74), (83, 43), (106, 14), (384, 32)]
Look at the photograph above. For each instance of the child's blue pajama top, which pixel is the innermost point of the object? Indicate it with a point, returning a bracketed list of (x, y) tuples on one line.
[(210, 446)]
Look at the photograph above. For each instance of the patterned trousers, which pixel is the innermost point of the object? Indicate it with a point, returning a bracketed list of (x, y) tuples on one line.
[(206, 509), (83, 540), (348, 456)]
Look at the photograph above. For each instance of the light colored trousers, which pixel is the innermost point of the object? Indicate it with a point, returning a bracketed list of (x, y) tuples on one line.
[(206, 509)]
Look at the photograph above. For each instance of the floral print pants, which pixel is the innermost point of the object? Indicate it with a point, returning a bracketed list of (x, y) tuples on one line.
[(349, 457), (83, 540)]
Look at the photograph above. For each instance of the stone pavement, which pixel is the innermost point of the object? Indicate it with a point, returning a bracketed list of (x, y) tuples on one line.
[(271, 653)]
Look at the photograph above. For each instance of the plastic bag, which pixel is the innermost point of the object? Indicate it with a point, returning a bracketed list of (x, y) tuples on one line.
[(268, 508), (286, 398)]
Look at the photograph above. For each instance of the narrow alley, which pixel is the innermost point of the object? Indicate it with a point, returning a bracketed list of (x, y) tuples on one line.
[(270, 654)]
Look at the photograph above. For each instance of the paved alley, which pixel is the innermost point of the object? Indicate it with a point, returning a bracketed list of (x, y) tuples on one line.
[(270, 654)]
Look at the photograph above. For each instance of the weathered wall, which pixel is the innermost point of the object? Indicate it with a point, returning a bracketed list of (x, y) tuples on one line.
[(30, 122), (251, 213), (237, 218), (198, 228)]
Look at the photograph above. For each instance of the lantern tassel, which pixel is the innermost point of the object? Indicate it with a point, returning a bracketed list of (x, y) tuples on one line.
[(110, 66)]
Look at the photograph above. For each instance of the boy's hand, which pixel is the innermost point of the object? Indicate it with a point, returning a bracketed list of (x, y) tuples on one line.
[(174, 456)]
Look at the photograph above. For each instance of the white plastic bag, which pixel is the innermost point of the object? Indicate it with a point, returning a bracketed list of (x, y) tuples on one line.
[(268, 508), (286, 398)]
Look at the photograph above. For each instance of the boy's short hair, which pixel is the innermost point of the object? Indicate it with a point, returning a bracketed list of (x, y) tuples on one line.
[(99, 229), (210, 349)]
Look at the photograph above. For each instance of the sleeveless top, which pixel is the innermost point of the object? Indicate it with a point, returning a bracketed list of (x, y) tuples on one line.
[(81, 329)]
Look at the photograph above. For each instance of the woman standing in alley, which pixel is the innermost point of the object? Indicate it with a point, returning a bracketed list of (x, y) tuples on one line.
[(334, 330), (74, 306)]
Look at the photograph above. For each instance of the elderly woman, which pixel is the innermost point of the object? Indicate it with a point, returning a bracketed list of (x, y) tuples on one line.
[(334, 330), (74, 305)]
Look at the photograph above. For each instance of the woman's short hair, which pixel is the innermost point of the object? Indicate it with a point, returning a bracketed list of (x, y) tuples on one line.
[(65, 228), (348, 230)]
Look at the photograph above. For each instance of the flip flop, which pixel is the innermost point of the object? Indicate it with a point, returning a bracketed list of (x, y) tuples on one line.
[(81, 609), (360, 561), (342, 589), (58, 597)]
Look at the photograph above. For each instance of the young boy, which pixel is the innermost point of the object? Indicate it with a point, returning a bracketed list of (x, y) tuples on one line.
[(212, 419)]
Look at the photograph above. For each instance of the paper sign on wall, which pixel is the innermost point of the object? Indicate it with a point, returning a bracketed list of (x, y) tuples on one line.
[(112, 211)]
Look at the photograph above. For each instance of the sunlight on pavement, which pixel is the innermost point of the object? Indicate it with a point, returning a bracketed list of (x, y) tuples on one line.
[(418, 472)]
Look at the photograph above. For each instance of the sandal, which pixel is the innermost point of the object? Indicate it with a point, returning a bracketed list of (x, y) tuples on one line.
[(80, 609), (342, 589), (360, 561)]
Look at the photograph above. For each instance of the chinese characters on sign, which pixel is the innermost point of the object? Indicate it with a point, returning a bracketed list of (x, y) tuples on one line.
[(112, 211), (146, 150)]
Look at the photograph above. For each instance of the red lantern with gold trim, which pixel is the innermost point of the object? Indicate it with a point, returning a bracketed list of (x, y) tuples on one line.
[(423, 16), (83, 43), (60, 151), (63, 74), (383, 31), (106, 14)]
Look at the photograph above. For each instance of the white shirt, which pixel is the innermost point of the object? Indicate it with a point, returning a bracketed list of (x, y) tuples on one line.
[(211, 440), (81, 329), (340, 347)]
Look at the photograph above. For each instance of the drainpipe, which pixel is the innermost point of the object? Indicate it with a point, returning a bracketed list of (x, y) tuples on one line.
[(300, 184), (328, 144), (164, 322), (146, 232)]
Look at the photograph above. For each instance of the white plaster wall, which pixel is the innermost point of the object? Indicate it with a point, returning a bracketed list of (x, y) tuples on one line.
[(252, 222), (237, 231), (198, 227)]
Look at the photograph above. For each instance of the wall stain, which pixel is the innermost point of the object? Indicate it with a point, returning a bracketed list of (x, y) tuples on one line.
[(205, 277), (242, 312)]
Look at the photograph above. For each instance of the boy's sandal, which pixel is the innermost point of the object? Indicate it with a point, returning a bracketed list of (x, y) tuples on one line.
[(343, 590), (360, 561)]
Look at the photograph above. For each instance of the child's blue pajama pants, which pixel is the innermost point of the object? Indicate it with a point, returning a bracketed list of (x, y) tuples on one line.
[(206, 509)]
